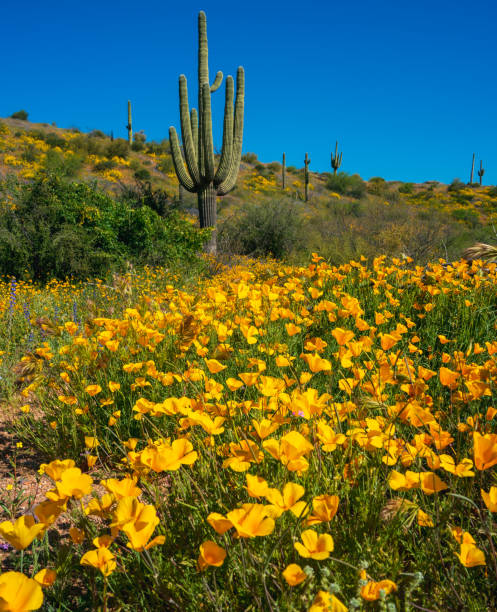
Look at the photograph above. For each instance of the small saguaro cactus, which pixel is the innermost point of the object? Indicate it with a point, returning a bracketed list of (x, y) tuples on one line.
[(283, 171), (129, 127), (200, 176), (336, 160), (481, 171), (472, 170), (307, 161)]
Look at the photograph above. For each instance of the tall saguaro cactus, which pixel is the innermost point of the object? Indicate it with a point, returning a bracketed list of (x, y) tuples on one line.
[(307, 161), (472, 170), (283, 171), (336, 160), (200, 176), (481, 171), (129, 127)]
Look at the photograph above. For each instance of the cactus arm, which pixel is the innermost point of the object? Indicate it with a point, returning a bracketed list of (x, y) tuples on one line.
[(207, 173), (194, 124), (203, 77), (217, 81), (203, 51), (186, 132), (183, 176), (227, 185), (227, 150)]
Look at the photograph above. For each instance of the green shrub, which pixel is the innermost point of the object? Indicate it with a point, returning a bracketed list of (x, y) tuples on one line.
[(267, 229), (30, 153), (97, 146), (117, 148), (249, 158), (142, 194), (165, 164), (54, 140), (63, 165), (274, 166), (468, 216), (392, 196), (456, 185), (377, 186), (346, 184), (105, 164), (158, 148), (406, 188), (20, 114), (139, 139), (263, 170), (142, 174), (96, 134), (60, 229)]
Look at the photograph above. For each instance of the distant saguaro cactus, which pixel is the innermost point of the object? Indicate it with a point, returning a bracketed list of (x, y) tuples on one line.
[(481, 171), (200, 176), (283, 171), (336, 160), (472, 170), (129, 127), (307, 161)]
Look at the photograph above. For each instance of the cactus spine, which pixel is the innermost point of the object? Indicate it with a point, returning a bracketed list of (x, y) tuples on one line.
[(129, 127), (200, 176), (307, 161), (283, 171), (336, 160), (472, 170), (481, 171)]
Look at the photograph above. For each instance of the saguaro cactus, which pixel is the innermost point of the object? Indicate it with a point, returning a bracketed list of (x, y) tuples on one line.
[(200, 176), (472, 170), (307, 161), (129, 127), (336, 160), (481, 171), (283, 171)]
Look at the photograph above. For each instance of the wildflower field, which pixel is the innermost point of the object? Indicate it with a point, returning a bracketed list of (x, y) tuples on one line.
[(268, 438)]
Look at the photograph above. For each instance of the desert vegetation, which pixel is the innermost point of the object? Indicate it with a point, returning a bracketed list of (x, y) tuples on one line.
[(227, 384)]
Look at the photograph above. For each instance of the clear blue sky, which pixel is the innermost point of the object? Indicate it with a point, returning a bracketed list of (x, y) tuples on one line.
[(408, 87)]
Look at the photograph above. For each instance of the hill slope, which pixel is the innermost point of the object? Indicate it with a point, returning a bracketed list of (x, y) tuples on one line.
[(343, 217)]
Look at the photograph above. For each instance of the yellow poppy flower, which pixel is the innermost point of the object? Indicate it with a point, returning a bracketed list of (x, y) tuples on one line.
[(485, 450), (314, 546), (490, 499), (294, 574), (45, 577), (210, 554), (251, 520), (18, 593), (22, 532)]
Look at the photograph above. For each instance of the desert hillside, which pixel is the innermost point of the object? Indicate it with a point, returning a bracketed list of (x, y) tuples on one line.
[(344, 215)]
